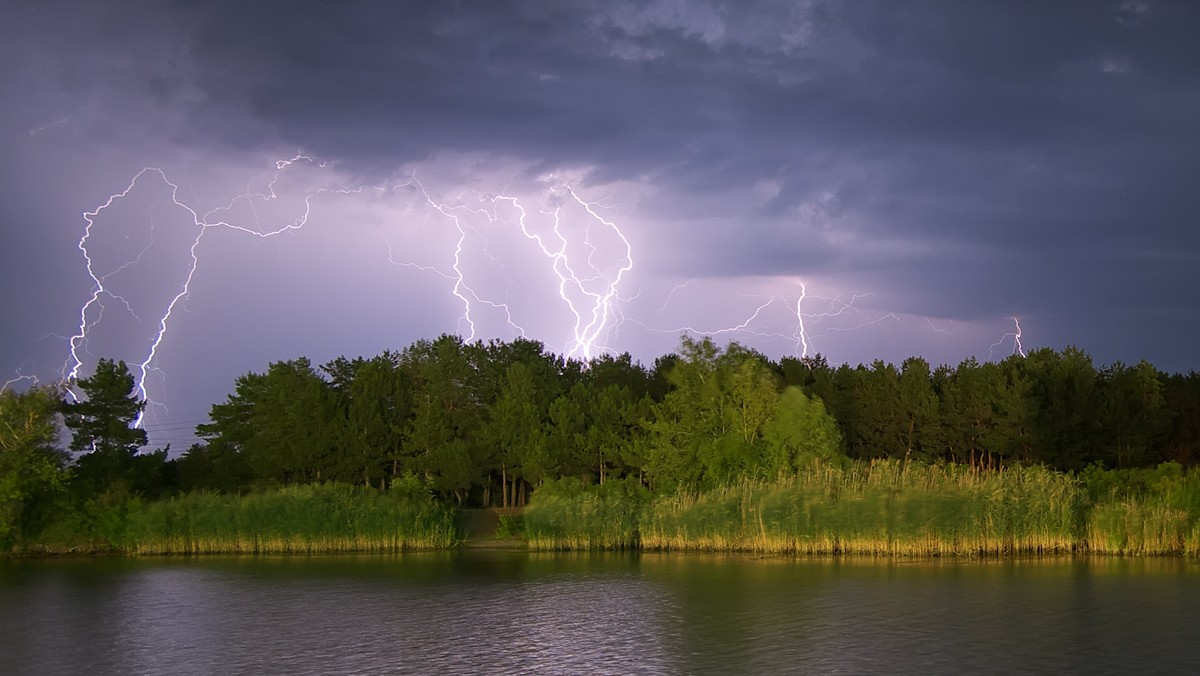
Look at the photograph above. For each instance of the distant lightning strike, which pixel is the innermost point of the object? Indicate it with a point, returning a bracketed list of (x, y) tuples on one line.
[(587, 277), (800, 332), (588, 289), (1015, 335), (100, 290), (591, 298), (671, 294), (604, 302), (18, 378)]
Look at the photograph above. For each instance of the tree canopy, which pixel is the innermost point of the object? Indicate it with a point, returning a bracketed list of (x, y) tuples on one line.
[(483, 423)]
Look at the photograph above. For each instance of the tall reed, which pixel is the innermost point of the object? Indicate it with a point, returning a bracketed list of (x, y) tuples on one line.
[(1147, 512), (296, 519), (881, 508), (566, 515)]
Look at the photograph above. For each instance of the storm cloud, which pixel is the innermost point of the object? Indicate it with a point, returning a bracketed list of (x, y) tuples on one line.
[(947, 165)]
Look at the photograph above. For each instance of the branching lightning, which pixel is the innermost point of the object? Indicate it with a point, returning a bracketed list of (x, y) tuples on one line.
[(581, 256), (588, 289), (801, 322), (1014, 335), (92, 311), (587, 282), (20, 377)]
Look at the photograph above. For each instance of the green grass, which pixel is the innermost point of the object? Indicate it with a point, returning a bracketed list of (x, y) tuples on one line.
[(881, 508), (299, 519), (567, 515), (1144, 512)]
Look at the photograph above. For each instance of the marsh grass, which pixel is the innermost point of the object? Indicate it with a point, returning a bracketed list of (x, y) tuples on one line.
[(297, 519), (566, 515), (1145, 512), (878, 508), (881, 508)]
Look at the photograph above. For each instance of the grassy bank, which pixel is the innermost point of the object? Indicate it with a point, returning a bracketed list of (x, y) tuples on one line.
[(885, 508), (566, 515), (878, 509), (1144, 512), (298, 519)]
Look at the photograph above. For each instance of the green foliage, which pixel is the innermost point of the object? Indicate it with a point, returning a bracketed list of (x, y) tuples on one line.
[(880, 508), (294, 519), (708, 429), (566, 514), (279, 421), (371, 399), (511, 527), (103, 429), (717, 447), (32, 468), (103, 421), (800, 433), (485, 424)]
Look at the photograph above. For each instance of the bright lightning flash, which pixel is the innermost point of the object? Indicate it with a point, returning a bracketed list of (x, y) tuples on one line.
[(579, 254), (764, 322), (1014, 335), (587, 281)]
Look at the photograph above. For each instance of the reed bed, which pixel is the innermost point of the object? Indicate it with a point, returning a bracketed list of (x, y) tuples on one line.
[(292, 520), (1152, 512), (565, 515), (881, 508)]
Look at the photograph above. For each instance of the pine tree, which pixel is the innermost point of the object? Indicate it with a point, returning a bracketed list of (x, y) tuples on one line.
[(102, 425)]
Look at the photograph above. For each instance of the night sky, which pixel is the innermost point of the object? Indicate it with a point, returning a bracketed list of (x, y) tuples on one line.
[(918, 177)]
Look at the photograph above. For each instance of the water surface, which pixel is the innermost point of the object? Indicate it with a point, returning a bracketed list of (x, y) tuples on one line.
[(498, 612)]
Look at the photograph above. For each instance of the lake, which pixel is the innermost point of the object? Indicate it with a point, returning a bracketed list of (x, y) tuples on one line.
[(503, 612)]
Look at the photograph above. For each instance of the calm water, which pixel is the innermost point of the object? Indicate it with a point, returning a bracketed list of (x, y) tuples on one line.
[(510, 612)]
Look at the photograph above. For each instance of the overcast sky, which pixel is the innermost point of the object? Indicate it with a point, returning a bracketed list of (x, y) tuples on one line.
[(915, 177)]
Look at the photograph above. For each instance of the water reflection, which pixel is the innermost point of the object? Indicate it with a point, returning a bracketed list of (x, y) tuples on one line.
[(510, 612)]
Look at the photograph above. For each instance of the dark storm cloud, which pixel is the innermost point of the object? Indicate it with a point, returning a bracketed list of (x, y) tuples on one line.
[(1027, 129), (967, 159)]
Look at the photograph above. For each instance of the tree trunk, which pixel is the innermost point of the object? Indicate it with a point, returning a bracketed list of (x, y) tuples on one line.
[(503, 486)]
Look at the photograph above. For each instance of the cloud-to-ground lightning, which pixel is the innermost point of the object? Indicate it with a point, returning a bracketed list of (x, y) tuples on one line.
[(92, 311), (588, 287), (587, 282), (1014, 335), (800, 321), (489, 249)]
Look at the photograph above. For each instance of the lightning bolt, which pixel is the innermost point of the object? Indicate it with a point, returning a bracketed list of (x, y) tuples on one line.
[(92, 310), (671, 294), (588, 279), (583, 256), (62, 120), (799, 334), (1015, 335), (588, 289), (18, 378)]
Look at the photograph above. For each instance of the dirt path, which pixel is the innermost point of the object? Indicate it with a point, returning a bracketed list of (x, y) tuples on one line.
[(479, 528)]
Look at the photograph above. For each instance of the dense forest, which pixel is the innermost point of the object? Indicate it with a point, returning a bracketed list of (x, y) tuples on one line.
[(486, 424)]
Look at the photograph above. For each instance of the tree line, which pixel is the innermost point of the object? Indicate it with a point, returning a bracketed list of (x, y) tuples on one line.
[(486, 423)]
